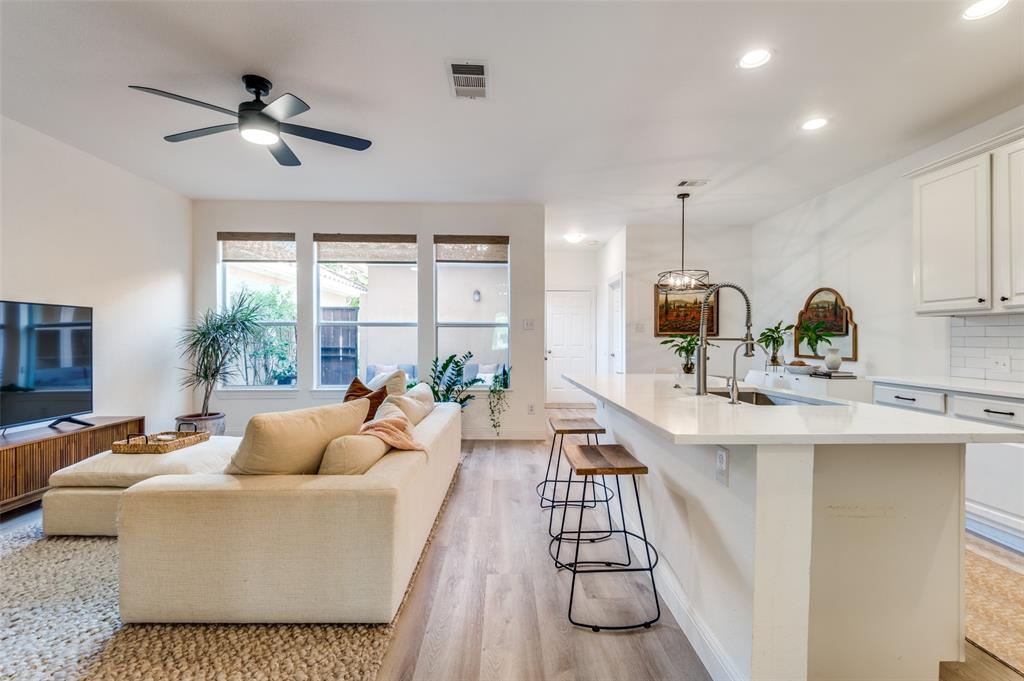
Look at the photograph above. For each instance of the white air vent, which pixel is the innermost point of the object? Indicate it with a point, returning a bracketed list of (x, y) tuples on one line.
[(693, 183), (468, 78)]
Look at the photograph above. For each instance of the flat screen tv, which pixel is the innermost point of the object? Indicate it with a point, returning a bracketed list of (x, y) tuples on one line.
[(45, 363)]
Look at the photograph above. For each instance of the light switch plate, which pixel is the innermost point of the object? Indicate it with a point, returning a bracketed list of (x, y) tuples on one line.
[(527, 325), (722, 466)]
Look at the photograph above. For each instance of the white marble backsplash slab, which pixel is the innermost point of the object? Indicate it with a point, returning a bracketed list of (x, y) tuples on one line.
[(989, 347)]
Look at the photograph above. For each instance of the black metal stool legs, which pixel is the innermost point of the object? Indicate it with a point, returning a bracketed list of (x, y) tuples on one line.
[(578, 567)]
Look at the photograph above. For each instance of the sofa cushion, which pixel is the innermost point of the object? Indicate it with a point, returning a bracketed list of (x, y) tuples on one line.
[(394, 381), (293, 442), (352, 454), (124, 470), (415, 404), (357, 389)]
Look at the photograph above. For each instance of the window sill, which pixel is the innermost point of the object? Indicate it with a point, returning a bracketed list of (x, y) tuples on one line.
[(266, 392)]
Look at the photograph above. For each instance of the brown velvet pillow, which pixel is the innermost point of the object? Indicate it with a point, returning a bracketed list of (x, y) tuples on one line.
[(357, 389)]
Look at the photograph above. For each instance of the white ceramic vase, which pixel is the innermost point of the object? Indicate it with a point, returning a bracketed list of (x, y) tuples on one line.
[(833, 360)]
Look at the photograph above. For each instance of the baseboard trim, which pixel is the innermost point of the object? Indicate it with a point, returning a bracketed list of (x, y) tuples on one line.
[(707, 646), (488, 434)]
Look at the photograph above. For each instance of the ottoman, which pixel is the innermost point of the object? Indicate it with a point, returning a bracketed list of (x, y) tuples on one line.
[(83, 498)]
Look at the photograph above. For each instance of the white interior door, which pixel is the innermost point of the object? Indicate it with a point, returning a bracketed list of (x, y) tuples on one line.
[(570, 344), (616, 351)]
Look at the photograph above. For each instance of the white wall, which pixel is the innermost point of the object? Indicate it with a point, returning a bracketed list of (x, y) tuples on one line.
[(570, 269), (857, 239), (524, 224), (611, 263), (650, 249), (79, 231)]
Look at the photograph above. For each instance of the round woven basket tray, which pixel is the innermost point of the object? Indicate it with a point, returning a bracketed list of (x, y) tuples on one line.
[(148, 444)]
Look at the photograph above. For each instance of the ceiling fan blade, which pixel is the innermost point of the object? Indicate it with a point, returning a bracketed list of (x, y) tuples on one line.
[(285, 106), (284, 154), (187, 100), (335, 138), (201, 132)]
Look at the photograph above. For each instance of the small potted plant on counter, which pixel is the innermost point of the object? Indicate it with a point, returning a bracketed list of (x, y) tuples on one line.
[(212, 347), (773, 338), (685, 347), (814, 334)]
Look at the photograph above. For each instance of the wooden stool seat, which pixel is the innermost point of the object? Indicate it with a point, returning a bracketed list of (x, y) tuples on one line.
[(576, 426), (603, 460)]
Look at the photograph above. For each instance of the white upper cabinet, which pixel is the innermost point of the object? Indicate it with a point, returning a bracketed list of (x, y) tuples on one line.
[(952, 238), (1008, 225)]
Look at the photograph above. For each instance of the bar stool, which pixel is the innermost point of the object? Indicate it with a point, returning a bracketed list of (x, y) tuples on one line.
[(605, 460), (561, 428)]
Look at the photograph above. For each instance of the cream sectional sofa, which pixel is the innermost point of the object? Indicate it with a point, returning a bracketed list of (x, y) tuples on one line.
[(285, 548)]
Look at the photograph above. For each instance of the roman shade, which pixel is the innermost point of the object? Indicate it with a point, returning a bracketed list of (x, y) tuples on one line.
[(366, 248), (257, 246), (465, 248)]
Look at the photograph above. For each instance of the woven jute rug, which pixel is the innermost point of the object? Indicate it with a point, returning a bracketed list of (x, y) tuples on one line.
[(995, 605), (59, 620)]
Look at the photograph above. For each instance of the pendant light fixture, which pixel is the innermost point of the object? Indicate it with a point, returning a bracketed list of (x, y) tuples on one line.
[(683, 280)]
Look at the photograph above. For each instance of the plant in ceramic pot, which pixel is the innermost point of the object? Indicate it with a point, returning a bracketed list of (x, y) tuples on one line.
[(448, 380), (685, 347), (773, 338), (212, 347), (814, 334)]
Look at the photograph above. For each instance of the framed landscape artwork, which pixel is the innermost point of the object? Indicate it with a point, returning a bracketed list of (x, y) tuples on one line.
[(679, 312)]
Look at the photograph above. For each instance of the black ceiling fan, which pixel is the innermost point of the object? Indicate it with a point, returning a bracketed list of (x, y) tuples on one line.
[(260, 122)]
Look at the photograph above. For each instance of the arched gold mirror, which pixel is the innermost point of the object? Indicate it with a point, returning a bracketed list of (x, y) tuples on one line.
[(825, 305)]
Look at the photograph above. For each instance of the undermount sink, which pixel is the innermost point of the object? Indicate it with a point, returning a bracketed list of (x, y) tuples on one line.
[(749, 397)]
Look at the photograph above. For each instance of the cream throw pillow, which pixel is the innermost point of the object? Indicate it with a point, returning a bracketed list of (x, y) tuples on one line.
[(352, 454), (293, 442), (388, 410), (415, 404), (394, 380)]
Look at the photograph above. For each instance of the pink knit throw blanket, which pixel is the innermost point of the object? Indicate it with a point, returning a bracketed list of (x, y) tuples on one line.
[(394, 431)]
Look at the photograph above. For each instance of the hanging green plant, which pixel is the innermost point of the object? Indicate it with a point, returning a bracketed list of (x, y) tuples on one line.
[(497, 400)]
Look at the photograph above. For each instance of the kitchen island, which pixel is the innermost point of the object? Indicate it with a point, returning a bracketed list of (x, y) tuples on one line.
[(800, 538)]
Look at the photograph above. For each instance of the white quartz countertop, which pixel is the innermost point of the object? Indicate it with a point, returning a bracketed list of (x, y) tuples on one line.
[(965, 385), (684, 418)]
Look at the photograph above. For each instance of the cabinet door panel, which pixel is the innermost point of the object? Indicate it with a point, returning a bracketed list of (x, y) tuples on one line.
[(1008, 221), (952, 245)]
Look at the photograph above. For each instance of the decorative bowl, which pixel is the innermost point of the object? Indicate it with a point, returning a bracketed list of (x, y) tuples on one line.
[(804, 370)]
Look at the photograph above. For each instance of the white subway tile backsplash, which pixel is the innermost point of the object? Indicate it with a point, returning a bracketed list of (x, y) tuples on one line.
[(986, 320), (987, 346)]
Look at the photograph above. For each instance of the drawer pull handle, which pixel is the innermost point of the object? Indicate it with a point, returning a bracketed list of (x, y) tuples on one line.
[(905, 399), (996, 411), (981, 300), (1003, 298)]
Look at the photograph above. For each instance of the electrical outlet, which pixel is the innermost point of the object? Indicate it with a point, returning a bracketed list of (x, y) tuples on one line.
[(722, 466), (529, 409), (1001, 362)]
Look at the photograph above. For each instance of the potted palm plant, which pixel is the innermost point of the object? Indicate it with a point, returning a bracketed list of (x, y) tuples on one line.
[(685, 347), (814, 334), (212, 348), (773, 338)]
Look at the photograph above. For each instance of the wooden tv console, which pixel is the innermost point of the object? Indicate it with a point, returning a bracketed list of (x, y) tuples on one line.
[(28, 457)]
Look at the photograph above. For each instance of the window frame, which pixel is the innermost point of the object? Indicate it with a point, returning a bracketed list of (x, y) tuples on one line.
[(507, 325), (222, 301), (320, 323)]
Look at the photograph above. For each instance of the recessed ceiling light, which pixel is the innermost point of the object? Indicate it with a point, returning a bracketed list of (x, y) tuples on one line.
[(983, 8), (755, 58), (575, 237), (814, 123)]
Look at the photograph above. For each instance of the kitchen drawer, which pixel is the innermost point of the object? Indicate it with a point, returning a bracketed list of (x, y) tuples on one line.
[(911, 398), (817, 387), (987, 409)]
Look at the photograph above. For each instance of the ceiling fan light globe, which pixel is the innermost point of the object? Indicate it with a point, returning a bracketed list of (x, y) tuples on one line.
[(259, 136)]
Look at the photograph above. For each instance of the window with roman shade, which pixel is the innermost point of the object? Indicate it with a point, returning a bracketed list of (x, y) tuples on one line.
[(472, 303), (366, 306), (262, 266)]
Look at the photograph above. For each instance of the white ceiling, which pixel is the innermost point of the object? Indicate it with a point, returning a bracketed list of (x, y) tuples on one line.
[(596, 110)]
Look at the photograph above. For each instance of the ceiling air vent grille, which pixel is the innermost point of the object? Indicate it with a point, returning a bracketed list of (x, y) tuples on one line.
[(693, 183), (468, 79)]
